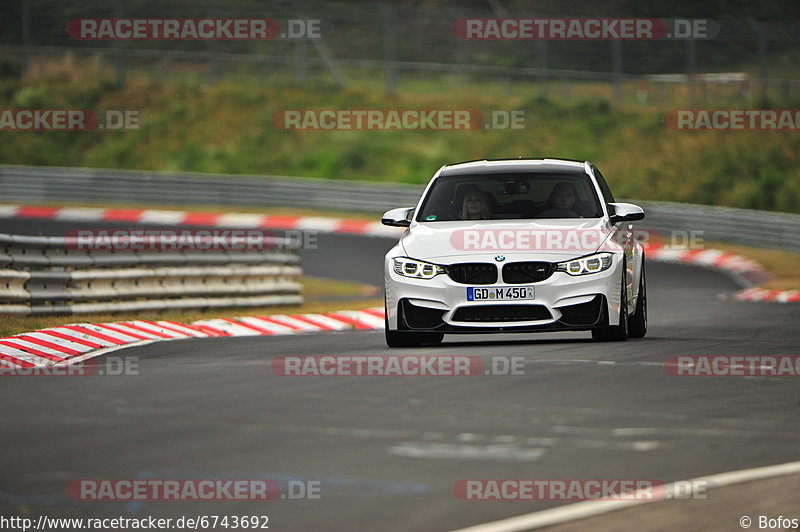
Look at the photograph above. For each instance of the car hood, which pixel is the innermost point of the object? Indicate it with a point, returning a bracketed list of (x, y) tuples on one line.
[(544, 240)]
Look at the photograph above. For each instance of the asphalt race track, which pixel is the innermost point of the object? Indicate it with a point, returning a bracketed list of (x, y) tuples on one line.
[(388, 451)]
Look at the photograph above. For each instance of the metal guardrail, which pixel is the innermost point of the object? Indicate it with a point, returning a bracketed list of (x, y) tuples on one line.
[(762, 229), (48, 275), (53, 185), (27, 184)]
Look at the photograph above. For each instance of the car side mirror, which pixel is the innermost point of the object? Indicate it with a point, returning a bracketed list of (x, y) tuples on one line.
[(398, 217), (625, 212)]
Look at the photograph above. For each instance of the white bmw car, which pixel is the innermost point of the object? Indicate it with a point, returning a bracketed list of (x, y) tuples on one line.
[(517, 245)]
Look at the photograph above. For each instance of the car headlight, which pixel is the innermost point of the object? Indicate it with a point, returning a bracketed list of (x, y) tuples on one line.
[(586, 265), (416, 268)]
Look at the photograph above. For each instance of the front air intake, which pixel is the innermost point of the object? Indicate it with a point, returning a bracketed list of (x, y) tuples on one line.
[(527, 272), (584, 313), (496, 313), (416, 317), (473, 273)]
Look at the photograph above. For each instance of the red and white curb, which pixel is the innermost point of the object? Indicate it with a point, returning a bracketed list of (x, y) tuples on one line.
[(746, 271), (205, 219), (772, 296), (71, 343)]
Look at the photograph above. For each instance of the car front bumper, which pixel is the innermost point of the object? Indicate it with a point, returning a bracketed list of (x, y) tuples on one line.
[(562, 302)]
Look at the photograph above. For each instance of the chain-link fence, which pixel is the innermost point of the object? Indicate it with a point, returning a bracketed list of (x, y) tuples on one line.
[(396, 45)]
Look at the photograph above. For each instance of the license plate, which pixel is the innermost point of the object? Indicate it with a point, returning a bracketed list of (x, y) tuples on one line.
[(500, 293)]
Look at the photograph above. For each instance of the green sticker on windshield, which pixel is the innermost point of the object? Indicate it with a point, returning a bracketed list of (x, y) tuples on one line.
[(431, 218)]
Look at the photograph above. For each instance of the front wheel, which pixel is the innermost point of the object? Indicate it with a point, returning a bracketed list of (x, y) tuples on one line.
[(637, 327), (409, 339), (616, 333)]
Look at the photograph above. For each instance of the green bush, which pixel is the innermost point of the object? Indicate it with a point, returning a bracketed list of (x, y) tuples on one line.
[(226, 126)]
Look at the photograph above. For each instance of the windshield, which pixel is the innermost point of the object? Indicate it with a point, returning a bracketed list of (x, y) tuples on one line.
[(510, 196)]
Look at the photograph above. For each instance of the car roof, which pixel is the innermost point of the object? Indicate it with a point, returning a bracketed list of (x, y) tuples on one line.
[(491, 166)]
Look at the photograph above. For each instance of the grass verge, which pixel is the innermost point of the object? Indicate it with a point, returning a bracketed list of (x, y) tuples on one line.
[(783, 265), (226, 126)]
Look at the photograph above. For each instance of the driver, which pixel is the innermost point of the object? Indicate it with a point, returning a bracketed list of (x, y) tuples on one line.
[(560, 203), (563, 196)]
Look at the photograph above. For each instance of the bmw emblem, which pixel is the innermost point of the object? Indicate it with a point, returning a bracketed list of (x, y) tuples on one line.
[(500, 258)]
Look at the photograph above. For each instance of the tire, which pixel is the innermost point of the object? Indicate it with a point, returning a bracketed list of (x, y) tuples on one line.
[(637, 325), (616, 333), (409, 339)]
